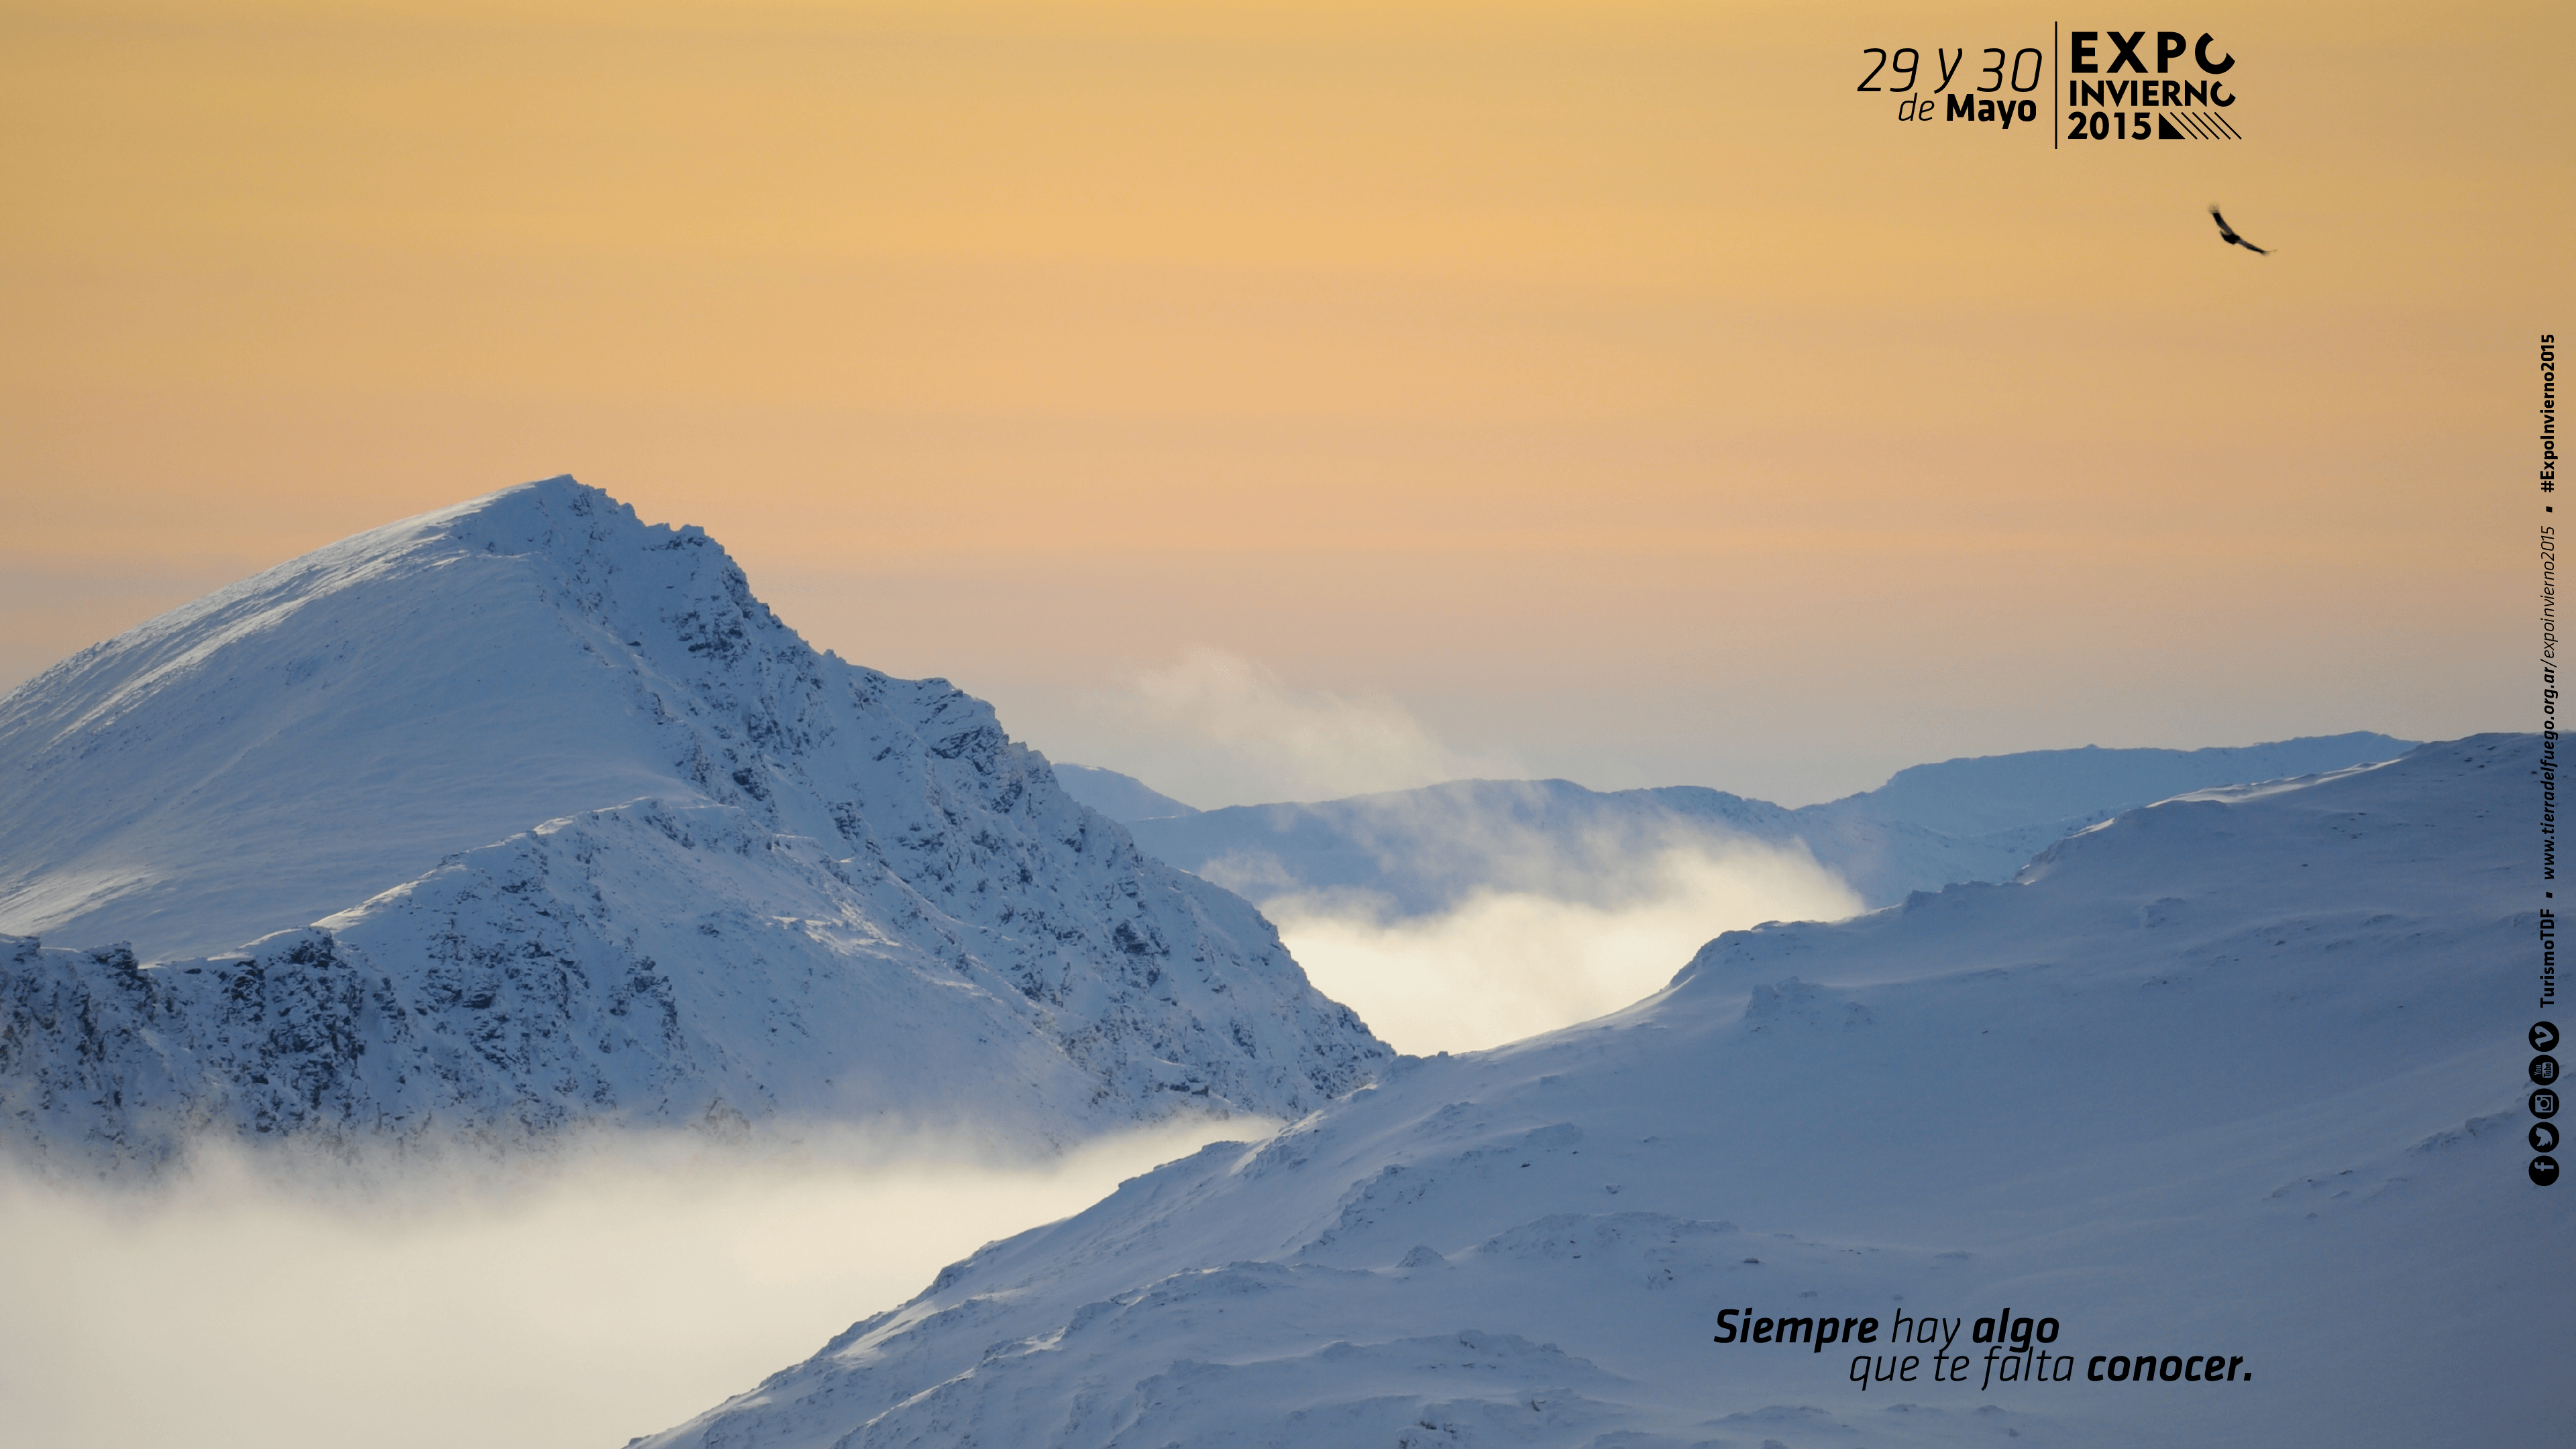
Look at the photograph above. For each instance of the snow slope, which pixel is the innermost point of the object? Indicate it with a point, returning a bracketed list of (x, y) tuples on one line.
[(583, 833), (1418, 852), (2236, 1075)]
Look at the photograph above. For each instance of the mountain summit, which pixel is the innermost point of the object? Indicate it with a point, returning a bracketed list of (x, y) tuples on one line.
[(524, 813)]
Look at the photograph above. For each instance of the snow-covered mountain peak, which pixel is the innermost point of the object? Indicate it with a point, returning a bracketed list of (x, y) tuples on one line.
[(326, 729), (557, 528), (534, 766)]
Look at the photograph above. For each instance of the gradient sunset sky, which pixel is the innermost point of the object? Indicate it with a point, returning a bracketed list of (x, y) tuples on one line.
[(1602, 390)]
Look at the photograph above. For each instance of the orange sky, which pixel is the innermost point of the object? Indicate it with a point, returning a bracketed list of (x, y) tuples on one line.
[(1609, 386)]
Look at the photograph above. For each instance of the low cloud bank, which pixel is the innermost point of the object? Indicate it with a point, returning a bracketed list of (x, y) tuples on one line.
[(1505, 964), (591, 1301)]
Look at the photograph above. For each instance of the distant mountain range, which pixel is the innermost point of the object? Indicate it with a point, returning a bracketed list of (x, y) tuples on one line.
[(1416, 852), (1122, 798), (524, 816), (2221, 1102)]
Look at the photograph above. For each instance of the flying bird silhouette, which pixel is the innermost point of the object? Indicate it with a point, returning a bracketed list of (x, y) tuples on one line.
[(2227, 234)]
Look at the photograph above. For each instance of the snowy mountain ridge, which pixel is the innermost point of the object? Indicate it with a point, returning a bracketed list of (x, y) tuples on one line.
[(538, 818), (1417, 852), (2237, 1074)]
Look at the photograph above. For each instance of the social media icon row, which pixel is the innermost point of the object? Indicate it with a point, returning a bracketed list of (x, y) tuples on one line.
[(2543, 1072)]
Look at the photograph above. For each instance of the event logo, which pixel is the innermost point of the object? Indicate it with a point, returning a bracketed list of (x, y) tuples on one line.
[(2116, 85)]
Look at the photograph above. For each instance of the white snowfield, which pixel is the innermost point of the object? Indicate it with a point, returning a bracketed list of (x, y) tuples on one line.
[(534, 817), (2235, 1078)]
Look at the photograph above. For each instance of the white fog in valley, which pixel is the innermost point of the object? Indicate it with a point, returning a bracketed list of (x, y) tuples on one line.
[(1502, 965), (587, 1303), (580, 1306)]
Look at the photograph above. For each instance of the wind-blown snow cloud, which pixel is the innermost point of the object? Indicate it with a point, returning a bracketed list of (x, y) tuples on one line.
[(1215, 728), (1504, 964), (584, 1305)]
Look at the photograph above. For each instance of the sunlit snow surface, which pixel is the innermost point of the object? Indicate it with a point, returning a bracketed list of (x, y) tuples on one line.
[(2236, 1074)]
